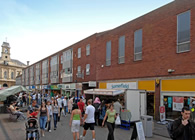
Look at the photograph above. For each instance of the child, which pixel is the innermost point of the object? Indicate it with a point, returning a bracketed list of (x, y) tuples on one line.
[(31, 134)]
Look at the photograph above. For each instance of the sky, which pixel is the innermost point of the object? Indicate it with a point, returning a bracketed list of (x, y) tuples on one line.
[(36, 29)]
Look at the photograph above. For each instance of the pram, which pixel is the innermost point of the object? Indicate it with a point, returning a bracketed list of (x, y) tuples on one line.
[(34, 128)]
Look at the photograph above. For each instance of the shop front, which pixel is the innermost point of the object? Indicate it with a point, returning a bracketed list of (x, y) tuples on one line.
[(45, 89), (175, 94), (54, 90), (68, 90)]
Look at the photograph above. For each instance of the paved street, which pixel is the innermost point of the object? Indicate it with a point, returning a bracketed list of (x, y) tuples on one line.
[(10, 130)]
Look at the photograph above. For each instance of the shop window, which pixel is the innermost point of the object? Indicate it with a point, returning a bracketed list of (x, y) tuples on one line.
[(174, 104)]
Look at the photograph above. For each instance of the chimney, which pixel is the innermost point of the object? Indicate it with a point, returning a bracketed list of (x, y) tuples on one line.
[(28, 63)]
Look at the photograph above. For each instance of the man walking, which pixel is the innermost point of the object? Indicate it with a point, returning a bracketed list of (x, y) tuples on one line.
[(89, 120), (81, 106), (183, 127)]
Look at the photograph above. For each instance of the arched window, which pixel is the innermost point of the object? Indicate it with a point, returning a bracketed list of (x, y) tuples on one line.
[(5, 74), (12, 75)]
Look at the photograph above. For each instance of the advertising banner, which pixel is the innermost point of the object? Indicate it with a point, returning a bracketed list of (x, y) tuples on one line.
[(162, 113), (178, 103)]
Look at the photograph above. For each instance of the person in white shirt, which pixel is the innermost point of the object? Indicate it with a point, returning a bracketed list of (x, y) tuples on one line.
[(59, 100), (34, 96), (89, 120), (49, 108), (65, 104)]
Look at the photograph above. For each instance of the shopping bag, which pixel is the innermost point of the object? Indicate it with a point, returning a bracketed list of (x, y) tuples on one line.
[(63, 112), (118, 120)]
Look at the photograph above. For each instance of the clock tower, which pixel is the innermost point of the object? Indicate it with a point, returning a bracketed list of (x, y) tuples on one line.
[(5, 53)]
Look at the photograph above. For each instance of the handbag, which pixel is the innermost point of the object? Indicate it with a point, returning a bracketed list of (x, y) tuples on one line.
[(118, 120)]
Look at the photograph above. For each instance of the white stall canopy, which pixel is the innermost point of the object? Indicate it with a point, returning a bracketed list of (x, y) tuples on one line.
[(107, 92)]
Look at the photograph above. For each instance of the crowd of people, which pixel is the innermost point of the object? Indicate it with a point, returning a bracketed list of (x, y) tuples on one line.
[(47, 108)]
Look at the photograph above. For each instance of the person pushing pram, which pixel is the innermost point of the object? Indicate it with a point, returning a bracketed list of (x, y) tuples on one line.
[(32, 132)]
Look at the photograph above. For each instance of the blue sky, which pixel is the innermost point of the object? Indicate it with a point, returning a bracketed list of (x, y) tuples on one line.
[(36, 29)]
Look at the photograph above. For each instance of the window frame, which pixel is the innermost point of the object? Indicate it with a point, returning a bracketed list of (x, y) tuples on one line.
[(79, 53), (186, 42), (119, 52), (88, 50), (137, 53)]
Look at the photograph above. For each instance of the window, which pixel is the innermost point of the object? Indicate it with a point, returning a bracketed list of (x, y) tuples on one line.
[(121, 50), (79, 72), (87, 69), (79, 69), (5, 74), (12, 75), (79, 52), (108, 53), (88, 50), (138, 45), (183, 32), (68, 71)]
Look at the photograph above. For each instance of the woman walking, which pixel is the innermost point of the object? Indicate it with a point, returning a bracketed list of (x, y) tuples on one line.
[(44, 116), (56, 113), (111, 114), (49, 108), (75, 121), (70, 103), (96, 104)]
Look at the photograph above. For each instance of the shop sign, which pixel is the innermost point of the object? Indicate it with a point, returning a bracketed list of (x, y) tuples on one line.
[(33, 87), (55, 87), (178, 103), (92, 83), (72, 86), (125, 85), (78, 86), (140, 131), (169, 102), (162, 113)]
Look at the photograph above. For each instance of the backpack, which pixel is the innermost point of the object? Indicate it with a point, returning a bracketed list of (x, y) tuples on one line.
[(170, 129)]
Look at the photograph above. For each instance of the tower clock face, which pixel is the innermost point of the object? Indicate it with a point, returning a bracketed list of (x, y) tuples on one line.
[(5, 50)]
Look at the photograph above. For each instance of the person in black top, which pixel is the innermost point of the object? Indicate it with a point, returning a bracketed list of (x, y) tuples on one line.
[(183, 127)]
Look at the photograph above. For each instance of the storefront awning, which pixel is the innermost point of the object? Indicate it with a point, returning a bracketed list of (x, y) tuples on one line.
[(106, 92)]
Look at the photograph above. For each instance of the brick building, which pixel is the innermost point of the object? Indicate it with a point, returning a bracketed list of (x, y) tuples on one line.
[(155, 52)]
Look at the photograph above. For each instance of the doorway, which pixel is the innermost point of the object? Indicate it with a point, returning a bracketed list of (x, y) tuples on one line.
[(150, 103), (5, 85)]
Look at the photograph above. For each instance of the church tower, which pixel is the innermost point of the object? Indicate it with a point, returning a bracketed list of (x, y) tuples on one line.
[(5, 53)]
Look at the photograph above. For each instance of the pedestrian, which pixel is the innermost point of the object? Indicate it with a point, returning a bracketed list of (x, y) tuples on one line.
[(102, 112), (70, 103), (81, 106), (96, 104), (111, 114), (60, 102), (184, 127), (75, 121), (89, 120), (56, 113), (65, 104), (33, 109), (117, 107), (44, 117), (49, 108)]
